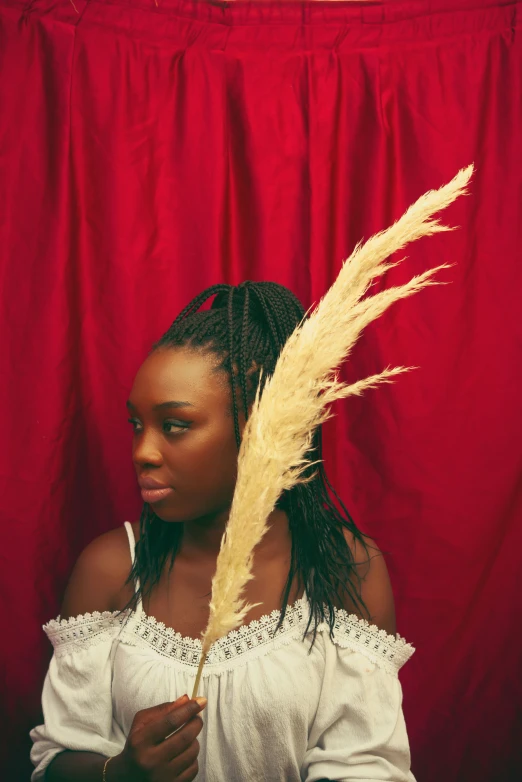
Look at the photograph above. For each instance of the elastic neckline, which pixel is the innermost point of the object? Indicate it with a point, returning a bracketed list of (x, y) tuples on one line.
[(248, 642)]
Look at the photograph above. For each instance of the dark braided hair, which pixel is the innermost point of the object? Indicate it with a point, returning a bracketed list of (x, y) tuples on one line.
[(246, 328)]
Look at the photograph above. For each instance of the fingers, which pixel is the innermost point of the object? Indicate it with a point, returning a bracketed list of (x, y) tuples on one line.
[(171, 720), (164, 738), (154, 712), (190, 773), (188, 760), (181, 740), (179, 752)]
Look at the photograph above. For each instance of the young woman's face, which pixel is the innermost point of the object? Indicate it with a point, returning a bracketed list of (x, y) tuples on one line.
[(180, 408)]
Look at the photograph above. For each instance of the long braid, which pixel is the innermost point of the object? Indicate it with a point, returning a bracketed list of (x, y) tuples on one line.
[(246, 327), (230, 314), (242, 354), (268, 315)]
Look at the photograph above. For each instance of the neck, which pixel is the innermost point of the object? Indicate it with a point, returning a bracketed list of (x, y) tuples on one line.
[(202, 537)]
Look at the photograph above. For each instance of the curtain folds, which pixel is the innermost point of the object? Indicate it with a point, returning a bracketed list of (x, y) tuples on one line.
[(149, 151)]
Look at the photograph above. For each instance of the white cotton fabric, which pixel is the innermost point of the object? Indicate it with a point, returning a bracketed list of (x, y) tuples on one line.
[(275, 713)]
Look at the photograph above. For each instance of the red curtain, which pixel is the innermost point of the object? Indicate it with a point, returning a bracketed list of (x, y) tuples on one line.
[(149, 151)]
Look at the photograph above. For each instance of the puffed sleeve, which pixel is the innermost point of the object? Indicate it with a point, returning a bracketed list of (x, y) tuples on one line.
[(358, 732), (76, 697)]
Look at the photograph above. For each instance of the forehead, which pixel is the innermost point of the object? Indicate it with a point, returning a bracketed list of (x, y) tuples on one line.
[(180, 375)]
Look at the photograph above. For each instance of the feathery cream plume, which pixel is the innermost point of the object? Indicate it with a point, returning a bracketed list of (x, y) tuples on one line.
[(296, 399)]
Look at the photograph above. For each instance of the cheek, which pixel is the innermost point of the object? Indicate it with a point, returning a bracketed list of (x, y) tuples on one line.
[(203, 471), (206, 460)]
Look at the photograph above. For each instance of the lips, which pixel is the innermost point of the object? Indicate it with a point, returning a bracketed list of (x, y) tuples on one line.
[(155, 495), (153, 491), (150, 483)]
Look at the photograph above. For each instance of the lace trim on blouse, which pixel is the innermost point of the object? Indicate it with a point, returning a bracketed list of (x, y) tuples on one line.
[(82, 631), (388, 651), (238, 647)]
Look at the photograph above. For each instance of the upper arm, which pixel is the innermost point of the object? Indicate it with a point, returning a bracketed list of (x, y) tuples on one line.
[(375, 586), (98, 576)]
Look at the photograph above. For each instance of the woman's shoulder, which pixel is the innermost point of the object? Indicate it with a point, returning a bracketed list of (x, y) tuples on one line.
[(97, 581), (373, 584)]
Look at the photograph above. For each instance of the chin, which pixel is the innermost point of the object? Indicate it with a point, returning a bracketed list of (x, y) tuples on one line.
[(174, 515), (169, 517)]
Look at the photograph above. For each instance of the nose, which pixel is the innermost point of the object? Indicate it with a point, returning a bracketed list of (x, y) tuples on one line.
[(145, 451)]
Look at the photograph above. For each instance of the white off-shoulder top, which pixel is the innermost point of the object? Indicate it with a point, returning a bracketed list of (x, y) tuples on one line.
[(275, 713)]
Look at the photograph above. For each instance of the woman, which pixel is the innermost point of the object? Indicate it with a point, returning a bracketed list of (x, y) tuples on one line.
[(307, 689)]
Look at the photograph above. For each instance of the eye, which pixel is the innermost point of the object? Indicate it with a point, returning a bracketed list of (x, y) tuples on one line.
[(175, 427), (135, 423)]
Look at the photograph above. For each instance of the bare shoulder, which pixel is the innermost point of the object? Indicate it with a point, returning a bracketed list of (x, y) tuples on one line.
[(98, 577), (376, 590)]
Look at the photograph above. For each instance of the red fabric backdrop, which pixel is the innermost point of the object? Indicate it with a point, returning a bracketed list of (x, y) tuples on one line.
[(147, 152)]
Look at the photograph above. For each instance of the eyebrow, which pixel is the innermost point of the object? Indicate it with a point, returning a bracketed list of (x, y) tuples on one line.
[(163, 405)]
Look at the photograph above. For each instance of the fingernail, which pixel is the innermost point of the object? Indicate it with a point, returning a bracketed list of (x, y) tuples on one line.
[(183, 699), (202, 702)]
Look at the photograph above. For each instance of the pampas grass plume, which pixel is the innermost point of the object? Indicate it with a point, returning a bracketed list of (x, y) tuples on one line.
[(296, 399)]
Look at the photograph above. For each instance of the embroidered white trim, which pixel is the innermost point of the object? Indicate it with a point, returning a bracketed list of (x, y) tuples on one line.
[(74, 621), (82, 631), (238, 647), (388, 651)]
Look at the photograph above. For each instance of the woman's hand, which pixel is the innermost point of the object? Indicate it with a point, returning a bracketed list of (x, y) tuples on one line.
[(161, 746)]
